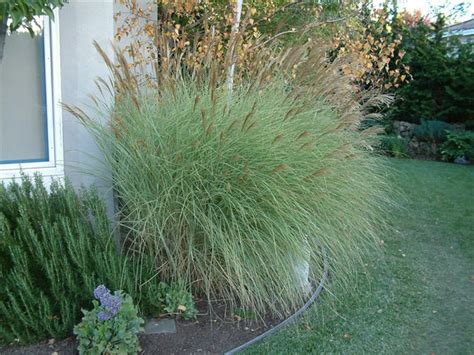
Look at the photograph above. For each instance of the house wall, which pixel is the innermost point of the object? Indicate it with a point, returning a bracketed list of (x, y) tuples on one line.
[(78, 24), (81, 23), (124, 14)]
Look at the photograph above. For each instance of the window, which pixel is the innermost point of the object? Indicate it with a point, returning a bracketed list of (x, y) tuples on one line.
[(30, 115)]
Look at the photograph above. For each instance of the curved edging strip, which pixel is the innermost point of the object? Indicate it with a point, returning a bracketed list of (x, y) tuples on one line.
[(293, 317)]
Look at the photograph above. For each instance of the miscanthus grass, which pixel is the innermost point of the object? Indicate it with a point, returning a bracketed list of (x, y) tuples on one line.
[(232, 192)]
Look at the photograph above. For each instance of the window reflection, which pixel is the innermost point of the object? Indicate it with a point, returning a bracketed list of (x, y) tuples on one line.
[(23, 124)]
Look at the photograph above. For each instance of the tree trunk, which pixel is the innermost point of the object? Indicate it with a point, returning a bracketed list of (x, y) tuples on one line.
[(233, 44)]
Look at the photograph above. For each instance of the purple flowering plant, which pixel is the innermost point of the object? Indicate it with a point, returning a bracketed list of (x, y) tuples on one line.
[(110, 303), (111, 327)]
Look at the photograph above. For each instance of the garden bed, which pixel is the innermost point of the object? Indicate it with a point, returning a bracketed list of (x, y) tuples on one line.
[(211, 332), (216, 330)]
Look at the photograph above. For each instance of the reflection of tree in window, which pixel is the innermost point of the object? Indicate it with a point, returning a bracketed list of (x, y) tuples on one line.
[(23, 128)]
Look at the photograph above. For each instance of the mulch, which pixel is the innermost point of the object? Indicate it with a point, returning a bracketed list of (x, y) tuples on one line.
[(210, 333)]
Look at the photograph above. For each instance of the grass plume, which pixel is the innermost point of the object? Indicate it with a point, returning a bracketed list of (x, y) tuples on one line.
[(231, 193)]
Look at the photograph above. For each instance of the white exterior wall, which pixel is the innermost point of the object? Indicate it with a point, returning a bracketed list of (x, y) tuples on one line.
[(81, 23)]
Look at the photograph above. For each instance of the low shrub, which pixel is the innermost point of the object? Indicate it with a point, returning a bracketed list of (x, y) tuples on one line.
[(177, 300), (111, 327), (458, 144), (432, 131), (231, 193), (393, 145), (54, 248)]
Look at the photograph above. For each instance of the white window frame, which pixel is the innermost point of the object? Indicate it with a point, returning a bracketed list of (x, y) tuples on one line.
[(54, 167)]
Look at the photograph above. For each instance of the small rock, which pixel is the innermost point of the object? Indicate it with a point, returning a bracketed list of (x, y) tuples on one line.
[(160, 326)]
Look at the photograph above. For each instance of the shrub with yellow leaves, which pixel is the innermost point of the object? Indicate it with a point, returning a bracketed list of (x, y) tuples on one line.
[(353, 30), (372, 48), (204, 29)]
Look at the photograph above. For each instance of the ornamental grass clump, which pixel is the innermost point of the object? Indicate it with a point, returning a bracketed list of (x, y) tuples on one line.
[(232, 191)]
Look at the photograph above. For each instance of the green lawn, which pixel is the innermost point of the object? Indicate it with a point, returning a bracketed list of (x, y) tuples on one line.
[(418, 297)]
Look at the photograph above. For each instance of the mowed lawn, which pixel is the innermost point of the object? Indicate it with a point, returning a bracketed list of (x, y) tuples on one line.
[(416, 298)]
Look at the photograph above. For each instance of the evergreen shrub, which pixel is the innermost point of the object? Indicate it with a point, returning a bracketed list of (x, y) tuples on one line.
[(55, 247), (442, 70), (432, 131), (458, 144)]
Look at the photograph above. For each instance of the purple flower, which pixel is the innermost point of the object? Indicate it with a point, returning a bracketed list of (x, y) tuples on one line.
[(103, 316), (100, 292), (111, 303)]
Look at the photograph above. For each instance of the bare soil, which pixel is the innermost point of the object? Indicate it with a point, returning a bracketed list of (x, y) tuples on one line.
[(210, 333)]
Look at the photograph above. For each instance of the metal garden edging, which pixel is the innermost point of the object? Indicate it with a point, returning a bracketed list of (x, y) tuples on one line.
[(294, 316)]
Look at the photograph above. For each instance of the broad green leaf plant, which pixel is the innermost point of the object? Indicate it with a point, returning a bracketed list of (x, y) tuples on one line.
[(111, 327), (23, 12)]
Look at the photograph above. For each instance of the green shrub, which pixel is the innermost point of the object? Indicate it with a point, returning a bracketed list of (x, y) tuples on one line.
[(394, 145), (230, 193), (442, 69), (458, 144), (432, 131), (54, 248), (111, 327)]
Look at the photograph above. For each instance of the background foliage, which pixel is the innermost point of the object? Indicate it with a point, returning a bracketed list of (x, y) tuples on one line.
[(443, 75), (351, 30), (23, 12), (458, 144)]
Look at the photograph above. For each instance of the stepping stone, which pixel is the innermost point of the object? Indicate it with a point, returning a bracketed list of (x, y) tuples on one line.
[(160, 326)]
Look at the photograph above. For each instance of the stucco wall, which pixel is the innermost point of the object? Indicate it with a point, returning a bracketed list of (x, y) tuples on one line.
[(82, 22)]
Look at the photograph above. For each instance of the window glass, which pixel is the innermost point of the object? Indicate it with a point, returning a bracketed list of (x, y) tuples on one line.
[(23, 121)]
